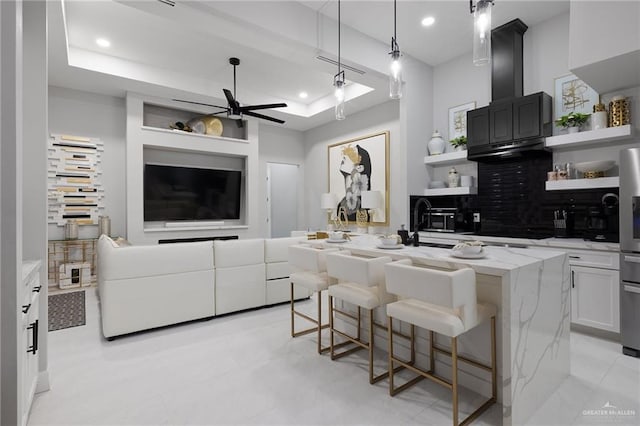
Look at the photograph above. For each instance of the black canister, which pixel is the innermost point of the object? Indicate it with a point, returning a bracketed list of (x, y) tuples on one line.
[(404, 235)]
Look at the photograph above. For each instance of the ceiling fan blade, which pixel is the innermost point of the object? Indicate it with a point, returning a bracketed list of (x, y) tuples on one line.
[(200, 103), (233, 104), (264, 117), (263, 106)]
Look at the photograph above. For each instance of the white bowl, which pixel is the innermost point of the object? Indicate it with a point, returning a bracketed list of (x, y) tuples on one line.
[(335, 236), (468, 247), (434, 184), (595, 166), (390, 240)]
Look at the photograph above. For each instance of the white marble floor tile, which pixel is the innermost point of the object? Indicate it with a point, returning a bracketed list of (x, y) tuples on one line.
[(246, 369)]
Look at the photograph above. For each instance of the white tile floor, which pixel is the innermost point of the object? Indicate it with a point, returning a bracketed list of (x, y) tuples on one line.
[(246, 369)]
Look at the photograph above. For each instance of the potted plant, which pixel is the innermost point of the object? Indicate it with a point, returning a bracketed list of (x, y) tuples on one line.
[(459, 143), (572, 121)]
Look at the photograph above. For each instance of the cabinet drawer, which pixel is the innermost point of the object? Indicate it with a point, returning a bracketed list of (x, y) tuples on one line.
[(594, 259)]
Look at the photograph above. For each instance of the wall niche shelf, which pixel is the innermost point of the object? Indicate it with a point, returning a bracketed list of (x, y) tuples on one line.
[(193, 135), (560, 185), (620, 134), (462, 190), (446, 158), (195, 228)]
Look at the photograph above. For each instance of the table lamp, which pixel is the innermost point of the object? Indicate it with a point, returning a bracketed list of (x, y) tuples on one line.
[(371, 202), (329, 203)]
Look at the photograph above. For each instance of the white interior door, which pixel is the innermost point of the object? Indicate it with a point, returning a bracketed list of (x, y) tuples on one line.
[(282, 198)]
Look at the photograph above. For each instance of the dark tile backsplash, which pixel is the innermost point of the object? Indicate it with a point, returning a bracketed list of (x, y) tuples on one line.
[(512, 200)]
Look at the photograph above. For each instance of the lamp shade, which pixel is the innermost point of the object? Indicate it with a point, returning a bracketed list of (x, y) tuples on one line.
[(370, 199), (328, 201)]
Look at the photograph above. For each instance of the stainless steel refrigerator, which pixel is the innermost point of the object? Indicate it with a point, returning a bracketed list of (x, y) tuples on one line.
[(630, 251)]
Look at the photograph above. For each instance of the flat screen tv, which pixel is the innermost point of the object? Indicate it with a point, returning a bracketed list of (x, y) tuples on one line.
[(175, 193)]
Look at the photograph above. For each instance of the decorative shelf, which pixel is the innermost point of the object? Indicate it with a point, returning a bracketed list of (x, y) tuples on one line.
[(462, 190), (591, 137), (446, 158), (560, 185), (194, 135)]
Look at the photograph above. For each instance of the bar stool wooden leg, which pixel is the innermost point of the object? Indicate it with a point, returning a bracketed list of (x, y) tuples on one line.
[(454, 378), (320, 323), (371, 378), (331, 340), (432, 353), (292, 314), (390, 351)]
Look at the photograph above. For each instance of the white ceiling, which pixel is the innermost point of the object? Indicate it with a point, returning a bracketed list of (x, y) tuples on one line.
[(183, 51)]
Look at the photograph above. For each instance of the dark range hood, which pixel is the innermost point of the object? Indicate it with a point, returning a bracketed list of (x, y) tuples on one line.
[(512, 125)]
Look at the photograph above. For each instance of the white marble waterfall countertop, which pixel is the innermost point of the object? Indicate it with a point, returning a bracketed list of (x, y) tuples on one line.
[(531, 288), (560, 243), (498, 260)]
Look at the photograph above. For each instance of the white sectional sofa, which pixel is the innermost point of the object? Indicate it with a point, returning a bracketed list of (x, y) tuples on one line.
[(144, 287)]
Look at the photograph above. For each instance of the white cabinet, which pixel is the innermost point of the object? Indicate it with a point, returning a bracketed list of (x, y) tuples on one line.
[(28, 347), (595, 291), (604, 43)]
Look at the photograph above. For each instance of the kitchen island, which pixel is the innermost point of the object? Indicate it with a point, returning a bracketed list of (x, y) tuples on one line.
[(531, 288)]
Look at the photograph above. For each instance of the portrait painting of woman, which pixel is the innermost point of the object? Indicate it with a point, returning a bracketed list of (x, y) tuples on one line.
[(356, 166)]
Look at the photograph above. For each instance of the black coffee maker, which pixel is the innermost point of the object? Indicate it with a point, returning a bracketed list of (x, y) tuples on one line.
[(602, 220)]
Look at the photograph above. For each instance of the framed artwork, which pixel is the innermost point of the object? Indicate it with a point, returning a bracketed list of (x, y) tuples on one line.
[(458, 120), (357, 165), (573, 95)]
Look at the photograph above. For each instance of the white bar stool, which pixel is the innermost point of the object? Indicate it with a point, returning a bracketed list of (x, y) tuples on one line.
[(444, 303), (310, 269), (361, 283)]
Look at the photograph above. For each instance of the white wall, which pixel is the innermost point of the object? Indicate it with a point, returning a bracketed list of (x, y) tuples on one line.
[(87, 114), (281, 145), (379, 118)]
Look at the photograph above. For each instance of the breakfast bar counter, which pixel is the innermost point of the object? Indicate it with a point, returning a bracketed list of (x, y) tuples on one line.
[(531, 288)]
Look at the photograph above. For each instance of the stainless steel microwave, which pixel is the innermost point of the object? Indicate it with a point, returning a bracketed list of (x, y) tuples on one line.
[(441, 219)]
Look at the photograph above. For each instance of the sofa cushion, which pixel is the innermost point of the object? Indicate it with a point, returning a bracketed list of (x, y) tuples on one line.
[(234, 253), (276, 249), (153, 260)]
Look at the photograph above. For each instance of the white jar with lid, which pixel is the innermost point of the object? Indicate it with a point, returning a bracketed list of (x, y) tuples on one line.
[(453, 178), (436, 145)]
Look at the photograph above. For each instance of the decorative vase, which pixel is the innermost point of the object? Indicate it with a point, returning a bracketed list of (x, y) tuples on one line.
[(453, 178), (436, 144), (619, 113), (573, 129), (599, 117), (104, 226)]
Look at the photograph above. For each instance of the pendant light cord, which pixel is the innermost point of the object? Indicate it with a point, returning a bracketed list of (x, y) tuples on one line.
[(395, 21), (338, 36)]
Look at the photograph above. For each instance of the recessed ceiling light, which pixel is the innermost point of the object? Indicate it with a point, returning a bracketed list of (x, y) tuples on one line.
[(303, 95), (103, 42), (428, 21)]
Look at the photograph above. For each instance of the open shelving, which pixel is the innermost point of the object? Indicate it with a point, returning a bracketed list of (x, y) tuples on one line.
[(446, 158), (604, 182), (461, 190), (620, 134)]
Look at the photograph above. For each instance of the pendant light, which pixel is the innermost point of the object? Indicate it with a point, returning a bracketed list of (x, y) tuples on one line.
[(338, 80), (481, 31), (395, 72)]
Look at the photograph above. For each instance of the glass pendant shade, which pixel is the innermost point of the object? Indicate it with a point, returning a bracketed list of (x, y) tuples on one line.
[(395, 76), (482, 33), (339, 93)]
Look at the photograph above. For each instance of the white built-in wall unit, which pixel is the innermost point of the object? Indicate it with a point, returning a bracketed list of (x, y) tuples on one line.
[(150, 140)]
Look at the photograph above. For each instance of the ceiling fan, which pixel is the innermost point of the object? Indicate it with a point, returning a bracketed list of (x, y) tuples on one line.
[(234, 110)]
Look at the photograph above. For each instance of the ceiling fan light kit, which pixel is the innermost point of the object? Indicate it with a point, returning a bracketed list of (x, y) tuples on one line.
[(234, 110), (395, 72), (481, 31)]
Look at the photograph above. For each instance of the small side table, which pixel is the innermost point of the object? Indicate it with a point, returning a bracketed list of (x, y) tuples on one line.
[(65, 252)]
